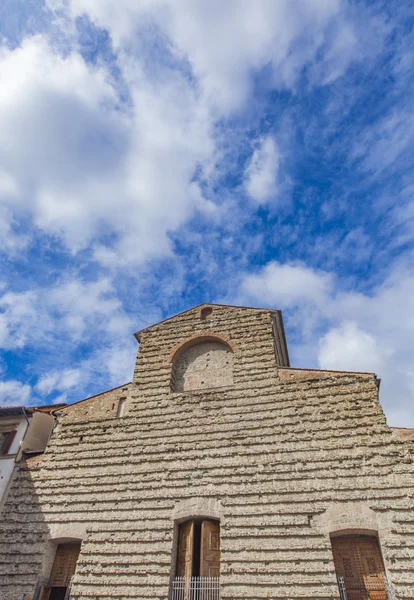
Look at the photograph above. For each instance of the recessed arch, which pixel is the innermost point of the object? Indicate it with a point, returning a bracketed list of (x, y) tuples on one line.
[(349, 517), (353, 532), (202, 362), (200, 507), (197, 339)]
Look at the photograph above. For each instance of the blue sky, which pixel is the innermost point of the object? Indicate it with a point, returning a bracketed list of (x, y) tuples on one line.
[(157, 154)]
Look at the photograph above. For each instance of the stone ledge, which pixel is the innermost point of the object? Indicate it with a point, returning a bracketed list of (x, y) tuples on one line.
[(293, 374)]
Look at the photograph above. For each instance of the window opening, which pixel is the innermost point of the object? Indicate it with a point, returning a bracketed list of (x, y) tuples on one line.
[(206, 313), (57, 593), (6, 440), (121, 407)]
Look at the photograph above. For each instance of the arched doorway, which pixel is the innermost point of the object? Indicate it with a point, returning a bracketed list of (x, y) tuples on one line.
[(359, 567)]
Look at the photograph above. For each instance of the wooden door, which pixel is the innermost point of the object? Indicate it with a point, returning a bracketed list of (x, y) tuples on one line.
[(358, 560), (64, 565), (185, 550), (44, 593), (210, 549)]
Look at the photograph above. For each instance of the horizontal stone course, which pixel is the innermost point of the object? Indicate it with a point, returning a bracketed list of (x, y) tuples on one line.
[(278, 449)]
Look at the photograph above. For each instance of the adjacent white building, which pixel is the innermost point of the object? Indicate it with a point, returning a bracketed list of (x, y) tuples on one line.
[(22, 429)]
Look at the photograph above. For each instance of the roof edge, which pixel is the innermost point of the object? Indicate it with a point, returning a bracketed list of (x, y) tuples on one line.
[(14, 411), (96, 395), (330, 371), (138, 333)]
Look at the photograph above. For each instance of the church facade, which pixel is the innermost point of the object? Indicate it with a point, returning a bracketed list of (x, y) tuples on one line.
[(219, 472)]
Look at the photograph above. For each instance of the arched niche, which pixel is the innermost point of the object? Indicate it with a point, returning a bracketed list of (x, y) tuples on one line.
[(348, 519), (199, 507), (202, 364)]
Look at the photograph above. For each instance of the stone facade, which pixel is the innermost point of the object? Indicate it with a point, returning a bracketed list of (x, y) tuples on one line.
[(283, 457), (207, 364)]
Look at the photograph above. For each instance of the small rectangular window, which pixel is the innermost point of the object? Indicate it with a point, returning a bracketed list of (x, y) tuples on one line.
[(121, 407), (6, 440), (206, 313)]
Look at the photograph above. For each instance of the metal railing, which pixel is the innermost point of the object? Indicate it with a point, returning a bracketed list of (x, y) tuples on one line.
[(342, 589), (195, 588), (391, 595)]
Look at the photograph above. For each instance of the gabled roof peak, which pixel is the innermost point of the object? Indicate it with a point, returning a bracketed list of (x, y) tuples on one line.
[(200, 306)]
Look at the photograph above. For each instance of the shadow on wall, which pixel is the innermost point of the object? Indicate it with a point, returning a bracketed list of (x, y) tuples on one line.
[(36, 564)]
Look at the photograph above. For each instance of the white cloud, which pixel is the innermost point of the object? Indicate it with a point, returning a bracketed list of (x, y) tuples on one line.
[(383, 144), (349, 348), (17, 314), (83, 307), (10, 241), (262, 170), (288, 285), (112, 364), (59, 319), (14, 393), (115, 361), (59, 381), (225, 42), (71, 308), (333, 329), (84, 165)]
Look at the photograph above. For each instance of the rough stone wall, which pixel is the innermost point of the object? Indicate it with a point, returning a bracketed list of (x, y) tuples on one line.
[(282, 456), (203, 365), (403, 434)]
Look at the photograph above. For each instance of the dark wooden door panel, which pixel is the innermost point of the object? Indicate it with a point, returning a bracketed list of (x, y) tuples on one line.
[(64, 565), (210, 549), (358, 560), (185, 549)]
